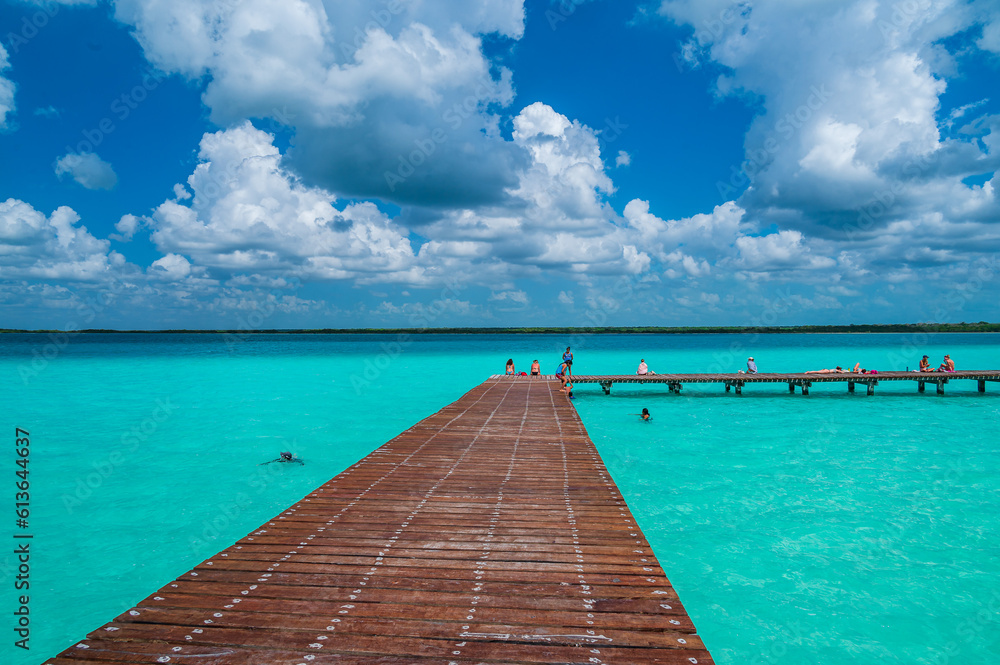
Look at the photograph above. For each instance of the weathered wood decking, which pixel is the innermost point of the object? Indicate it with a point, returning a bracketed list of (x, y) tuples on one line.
[(801, 380), (489, 532)]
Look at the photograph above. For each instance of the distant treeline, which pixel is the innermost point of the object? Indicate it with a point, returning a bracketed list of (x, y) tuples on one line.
[(982, 326)]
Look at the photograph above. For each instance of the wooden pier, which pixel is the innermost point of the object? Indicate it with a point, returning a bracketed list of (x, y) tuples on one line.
[(490, 532), (803, 381)]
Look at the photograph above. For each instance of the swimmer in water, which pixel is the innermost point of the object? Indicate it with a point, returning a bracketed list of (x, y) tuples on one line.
[(644, 415), (284, 457)]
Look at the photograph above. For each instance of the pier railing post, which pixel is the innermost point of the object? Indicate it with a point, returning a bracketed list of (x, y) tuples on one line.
[(940, 387), (982, 385), (920, 386), (850, 386)]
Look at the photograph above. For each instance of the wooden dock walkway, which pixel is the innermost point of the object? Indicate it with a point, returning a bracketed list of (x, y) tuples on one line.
[(490, 532), (801, 380)]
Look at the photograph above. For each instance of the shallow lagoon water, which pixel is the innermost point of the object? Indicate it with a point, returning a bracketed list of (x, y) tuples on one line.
[(822, 529)]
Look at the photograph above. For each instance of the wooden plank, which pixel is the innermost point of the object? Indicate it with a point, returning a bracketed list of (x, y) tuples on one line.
[(490, 532)]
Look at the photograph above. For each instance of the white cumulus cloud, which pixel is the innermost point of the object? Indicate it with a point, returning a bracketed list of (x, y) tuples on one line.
[(54, 247), (171, 267), (990, 39), (87, 169), (511, 297), (783, 250), (126, 227), (556, 218), (850, 96), (853, 168), (247, 214), (394, 100), (6, 90)]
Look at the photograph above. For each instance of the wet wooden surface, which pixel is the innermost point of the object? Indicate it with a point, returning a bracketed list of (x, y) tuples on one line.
[(489, 532)]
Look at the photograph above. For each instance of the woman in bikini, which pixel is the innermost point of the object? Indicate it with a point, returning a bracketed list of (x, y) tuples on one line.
[(568, 361)]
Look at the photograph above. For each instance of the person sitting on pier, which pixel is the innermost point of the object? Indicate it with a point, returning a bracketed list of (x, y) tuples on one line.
[(510, 367), (925, 365), (535, 368), (751, 366), (837, 370), (948, 365), (643, 369)]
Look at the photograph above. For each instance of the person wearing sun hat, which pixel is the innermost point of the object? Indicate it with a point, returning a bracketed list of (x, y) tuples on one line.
[(751, 366)]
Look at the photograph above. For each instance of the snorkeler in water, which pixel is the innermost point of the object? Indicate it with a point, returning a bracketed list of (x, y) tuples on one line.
[(284, 457)]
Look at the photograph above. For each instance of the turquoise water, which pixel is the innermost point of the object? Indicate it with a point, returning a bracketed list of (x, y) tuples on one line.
[(831, 528)]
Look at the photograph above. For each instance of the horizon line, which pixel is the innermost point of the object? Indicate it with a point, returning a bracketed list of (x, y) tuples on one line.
[(981, 326)]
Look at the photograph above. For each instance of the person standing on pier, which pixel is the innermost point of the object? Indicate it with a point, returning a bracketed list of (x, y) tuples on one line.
[(751, 366), (568, 361)]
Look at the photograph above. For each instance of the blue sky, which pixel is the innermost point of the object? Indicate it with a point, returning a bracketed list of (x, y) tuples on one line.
[(308, 163)]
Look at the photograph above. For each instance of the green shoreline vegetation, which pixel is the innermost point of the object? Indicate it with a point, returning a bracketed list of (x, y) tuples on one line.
[(980, 327)]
